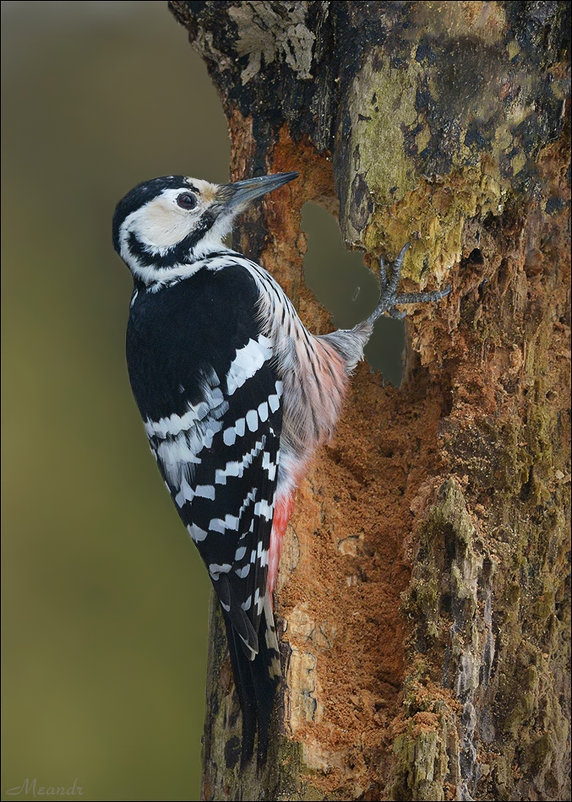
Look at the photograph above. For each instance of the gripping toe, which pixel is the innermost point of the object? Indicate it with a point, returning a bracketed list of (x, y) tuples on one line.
[(390, 297)]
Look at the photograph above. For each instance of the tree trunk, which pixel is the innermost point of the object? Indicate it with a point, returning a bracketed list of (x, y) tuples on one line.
[(424, 596)]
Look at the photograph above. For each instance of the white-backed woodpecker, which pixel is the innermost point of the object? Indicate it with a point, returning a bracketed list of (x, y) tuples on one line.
[(235, 395)]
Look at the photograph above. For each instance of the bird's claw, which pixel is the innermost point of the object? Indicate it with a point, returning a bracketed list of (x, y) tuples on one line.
[(390, 297)]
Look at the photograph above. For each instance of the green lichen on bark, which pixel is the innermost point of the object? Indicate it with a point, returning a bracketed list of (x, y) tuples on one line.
[(422, 764), (451, 652), (466, 103), (391, 199), (499, 646)]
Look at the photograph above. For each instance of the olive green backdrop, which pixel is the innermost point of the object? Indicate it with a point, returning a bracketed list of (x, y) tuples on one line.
[(104, 598)]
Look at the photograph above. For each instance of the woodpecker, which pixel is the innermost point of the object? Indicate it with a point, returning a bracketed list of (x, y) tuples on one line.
[(235, 396)]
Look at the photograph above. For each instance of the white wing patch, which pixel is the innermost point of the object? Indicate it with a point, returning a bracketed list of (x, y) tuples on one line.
[(252, 420), (274, 399), (215, 569), (269, 466), (196, 533), (264, 509), (179, 454), (175, 424), (177, 440), (235, 469), (247, 361)]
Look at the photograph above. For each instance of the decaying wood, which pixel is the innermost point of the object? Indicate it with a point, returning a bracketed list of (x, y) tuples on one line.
[(424, 591)]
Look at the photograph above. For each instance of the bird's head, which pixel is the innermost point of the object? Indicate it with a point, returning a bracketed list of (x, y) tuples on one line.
[(164, 225)]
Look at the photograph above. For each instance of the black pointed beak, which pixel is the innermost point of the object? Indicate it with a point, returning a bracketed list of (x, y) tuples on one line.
[(242, 193)]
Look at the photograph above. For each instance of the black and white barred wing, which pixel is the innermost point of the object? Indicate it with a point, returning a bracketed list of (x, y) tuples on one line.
[(220, 462)]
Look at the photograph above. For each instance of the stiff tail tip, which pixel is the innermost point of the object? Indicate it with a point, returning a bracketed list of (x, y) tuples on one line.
[(256, 683)]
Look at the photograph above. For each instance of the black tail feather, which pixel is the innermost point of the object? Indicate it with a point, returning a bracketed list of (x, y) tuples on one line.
[(265, 685), (245, 690), (256, 689)]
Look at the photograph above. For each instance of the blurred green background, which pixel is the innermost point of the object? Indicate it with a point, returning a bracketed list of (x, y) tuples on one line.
[(105, 600)]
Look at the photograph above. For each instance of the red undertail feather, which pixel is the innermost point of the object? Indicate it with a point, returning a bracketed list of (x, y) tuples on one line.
[(282, 513)]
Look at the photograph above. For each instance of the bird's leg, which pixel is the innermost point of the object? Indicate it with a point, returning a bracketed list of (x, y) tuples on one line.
[(382, 273), (390, 297)]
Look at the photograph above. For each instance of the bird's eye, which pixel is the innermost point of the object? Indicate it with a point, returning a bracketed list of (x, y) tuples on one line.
[(186, 200)]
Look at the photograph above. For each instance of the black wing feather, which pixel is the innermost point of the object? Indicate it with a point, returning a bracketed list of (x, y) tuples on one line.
[(216, 440)]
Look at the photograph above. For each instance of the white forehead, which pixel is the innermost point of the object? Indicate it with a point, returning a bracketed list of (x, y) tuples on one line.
[(206, 190)]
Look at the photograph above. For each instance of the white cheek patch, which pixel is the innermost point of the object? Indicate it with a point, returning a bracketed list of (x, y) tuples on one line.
[(161, 223)]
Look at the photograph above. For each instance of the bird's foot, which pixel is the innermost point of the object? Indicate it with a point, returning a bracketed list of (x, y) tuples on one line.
[(390, 298)]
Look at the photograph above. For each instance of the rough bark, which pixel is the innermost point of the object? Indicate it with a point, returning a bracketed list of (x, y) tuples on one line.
[(424, 590)]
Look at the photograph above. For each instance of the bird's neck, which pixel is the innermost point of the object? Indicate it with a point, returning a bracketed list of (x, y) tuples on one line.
[(156, 275)]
